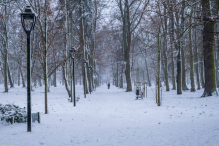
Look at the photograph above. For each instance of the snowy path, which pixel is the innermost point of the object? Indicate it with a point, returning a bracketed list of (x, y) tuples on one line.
[(112, 117)]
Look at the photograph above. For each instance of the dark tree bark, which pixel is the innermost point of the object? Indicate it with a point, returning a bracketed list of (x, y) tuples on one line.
[(184, 86), (191, 61), (130, 23), (127, 51), (18, 78), (54, 79), (178, 48), (10, 78), (202, 69), (217, 58), (196, 62), (165, 50), (22, 78), (179, 73), (196, 58), (171, 43), (82, 40), (6, 70), (65, 81), (208, 46), (121, 77)]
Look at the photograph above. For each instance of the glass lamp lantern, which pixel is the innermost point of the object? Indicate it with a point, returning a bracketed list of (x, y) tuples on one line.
[(72, 51), (28, 19)]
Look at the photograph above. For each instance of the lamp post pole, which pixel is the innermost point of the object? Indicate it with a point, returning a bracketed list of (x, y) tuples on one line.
[(72, 53), (28, 83), (28, 19), (73, 73)]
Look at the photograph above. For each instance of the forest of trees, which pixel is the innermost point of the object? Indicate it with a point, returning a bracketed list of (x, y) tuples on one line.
[(170, 43)]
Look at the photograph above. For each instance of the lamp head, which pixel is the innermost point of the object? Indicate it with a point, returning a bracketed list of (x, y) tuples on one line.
[(72, 50), (28, 19)]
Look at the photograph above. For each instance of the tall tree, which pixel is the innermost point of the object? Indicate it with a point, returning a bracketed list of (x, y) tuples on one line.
[(208, 49), (130, 21), (191, 59), (171, 13), (4, 11)]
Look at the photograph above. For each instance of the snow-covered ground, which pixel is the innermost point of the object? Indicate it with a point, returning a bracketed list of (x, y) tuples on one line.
[(112, 117)]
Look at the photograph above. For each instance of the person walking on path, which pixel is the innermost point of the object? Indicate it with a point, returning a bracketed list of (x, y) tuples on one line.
[(108, 85)]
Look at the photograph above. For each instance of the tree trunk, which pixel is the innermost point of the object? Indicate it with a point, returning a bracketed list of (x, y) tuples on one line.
[(48, 84), (71, 79), (171, 43), (215, 9), (6, 70), (121, 79), (158, 76), (6, 51), (45, 58), (65, 82), (54, 78), (10, 78), (181, 44), (179, 75), (127, 54), (217, 67), (148, 75), (184, 86), (128, 75), (196, 62), (40, 82), (208, 46), (202, 69), (18, 77), (82, 41), (117, 74), (146, 65), (2, 71), (164, 50), (22, 78), (196, 59), (137, 74), (46, 87), (178, 63), (191, 60), (88, 84)]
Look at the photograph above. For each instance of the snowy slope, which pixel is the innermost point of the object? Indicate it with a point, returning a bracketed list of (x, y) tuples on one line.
[(112, 117)]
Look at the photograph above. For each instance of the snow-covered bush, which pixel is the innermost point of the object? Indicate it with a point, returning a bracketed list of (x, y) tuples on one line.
[(12, 113)]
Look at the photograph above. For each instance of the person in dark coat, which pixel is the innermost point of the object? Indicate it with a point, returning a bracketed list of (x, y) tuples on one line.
[(108, 85)]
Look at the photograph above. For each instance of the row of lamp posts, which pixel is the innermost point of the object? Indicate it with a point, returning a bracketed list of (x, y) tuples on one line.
[(28, 20)]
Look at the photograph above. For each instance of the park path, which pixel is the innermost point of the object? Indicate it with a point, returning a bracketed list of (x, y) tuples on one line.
[(105, 117), (112, 117)]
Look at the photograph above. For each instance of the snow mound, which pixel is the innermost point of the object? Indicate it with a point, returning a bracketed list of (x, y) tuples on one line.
[(11, 113)]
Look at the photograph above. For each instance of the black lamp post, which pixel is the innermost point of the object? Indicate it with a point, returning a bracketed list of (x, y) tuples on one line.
[(84, 62), (72, 52), (90, 69), (28, 20)]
